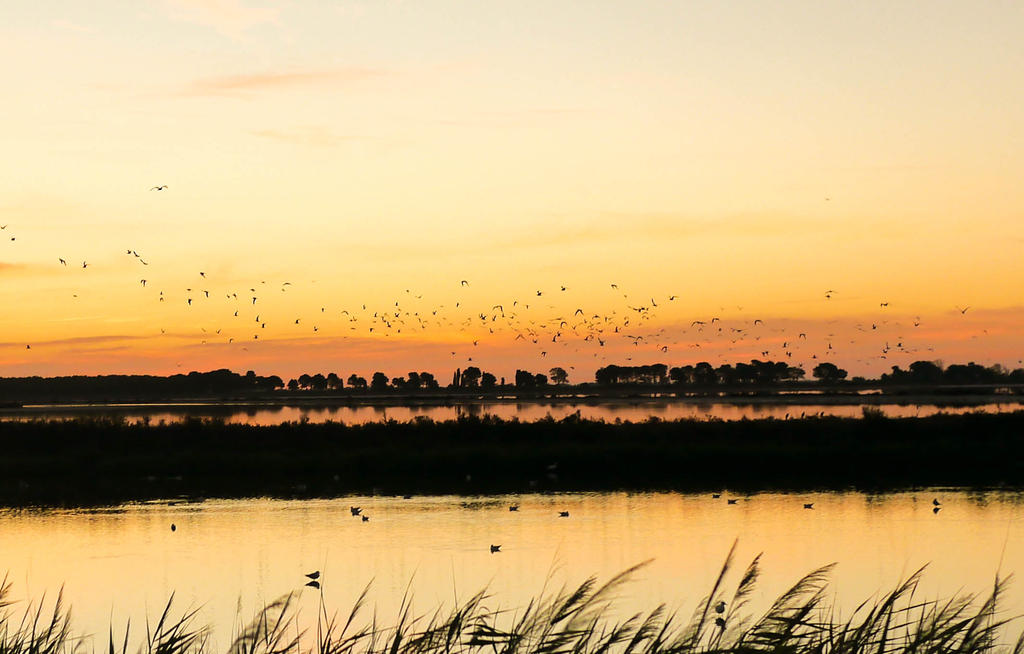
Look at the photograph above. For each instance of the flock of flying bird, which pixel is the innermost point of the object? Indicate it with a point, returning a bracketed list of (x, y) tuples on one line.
[(545, 329)]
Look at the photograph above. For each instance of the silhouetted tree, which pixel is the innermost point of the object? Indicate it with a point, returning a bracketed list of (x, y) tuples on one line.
[(334, 381), (682, 375), (795, 373), (427, 380), (828, 373), (399, 382), (305, 380), (318, 382), (540, 380), (471, 377), (412, 381), (925, 372), (704, 374), (524, 379), (293, 385), (379, 381), (558, 375), (488, 381), (355, 381)]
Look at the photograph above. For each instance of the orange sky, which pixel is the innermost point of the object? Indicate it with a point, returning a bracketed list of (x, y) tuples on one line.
[(743, 158)]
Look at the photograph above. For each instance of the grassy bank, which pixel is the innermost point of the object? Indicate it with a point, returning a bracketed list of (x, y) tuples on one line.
[(88, 461), (582, 620)]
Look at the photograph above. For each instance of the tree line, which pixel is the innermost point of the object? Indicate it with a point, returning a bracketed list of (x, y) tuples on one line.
[(224, 383), (756, 372), (193, 384)]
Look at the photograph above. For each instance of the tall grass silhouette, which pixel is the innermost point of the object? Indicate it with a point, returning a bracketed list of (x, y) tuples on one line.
[(571, 620)]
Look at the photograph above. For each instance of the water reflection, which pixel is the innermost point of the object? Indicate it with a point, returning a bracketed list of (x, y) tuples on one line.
[(226, 553), (610, 411)]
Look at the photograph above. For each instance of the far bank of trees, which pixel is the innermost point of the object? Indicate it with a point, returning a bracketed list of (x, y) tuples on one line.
[(933, 372), (702, 374), (146, 387), (227, 384)]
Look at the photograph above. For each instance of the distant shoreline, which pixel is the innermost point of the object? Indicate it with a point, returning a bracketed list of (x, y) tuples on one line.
[(951, 396)]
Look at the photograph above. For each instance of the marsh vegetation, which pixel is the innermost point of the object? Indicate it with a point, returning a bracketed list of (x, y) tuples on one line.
[(570, 620), (109, 460)]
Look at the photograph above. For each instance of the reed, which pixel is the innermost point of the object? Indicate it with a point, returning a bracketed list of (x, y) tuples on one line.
[(108, 461), (571, 620)]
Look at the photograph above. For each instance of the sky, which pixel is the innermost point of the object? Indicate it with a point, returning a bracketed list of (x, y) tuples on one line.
[(847, 171)]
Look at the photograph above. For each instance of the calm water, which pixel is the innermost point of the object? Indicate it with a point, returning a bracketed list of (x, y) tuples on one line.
[(226, 554), (635, 411)]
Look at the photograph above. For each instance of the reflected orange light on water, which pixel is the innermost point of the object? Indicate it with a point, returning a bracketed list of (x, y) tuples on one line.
[(229, 553)]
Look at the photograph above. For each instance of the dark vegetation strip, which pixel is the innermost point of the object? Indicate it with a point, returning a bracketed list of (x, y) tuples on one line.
[(702, 379), (90, 461), (581, 620)]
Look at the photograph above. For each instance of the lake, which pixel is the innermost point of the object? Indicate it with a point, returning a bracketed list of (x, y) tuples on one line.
[(226, 556), (634, 410)]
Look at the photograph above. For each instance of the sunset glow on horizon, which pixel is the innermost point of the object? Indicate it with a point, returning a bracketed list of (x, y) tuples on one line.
[(604, 177)]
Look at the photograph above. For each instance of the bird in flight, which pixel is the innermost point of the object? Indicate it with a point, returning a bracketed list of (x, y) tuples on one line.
[(62, 262), (159, 188), (464, 283), (962, 311)]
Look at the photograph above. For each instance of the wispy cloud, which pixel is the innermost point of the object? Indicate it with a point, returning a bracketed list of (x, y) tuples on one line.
[(240, 85), (315, 136), (24, 269), (231, 18)]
